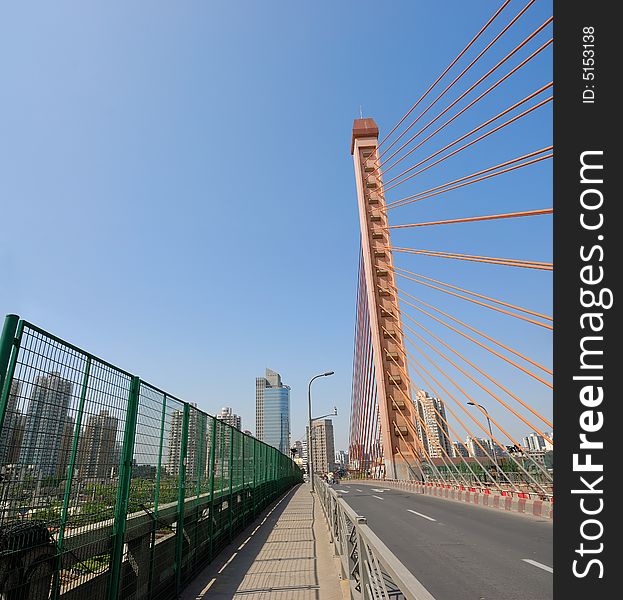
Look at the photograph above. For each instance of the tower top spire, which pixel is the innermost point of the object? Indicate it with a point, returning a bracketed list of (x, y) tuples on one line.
[(363, 128)]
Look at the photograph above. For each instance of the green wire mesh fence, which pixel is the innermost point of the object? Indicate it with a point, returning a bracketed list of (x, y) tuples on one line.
[(109, 487)]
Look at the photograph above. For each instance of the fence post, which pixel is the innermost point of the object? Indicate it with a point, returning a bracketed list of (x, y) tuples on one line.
[(231, 481), (70, 475), (212, 460), (163, 417), (123, 491), (154, 529), (7, 342), (254, 473), (269, 478), (181, 497), (245, 504), (200, 469), (200, 464), (265, 476), (273, 460)]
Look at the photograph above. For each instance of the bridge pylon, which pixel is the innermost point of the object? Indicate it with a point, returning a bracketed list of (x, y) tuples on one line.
[(396, 410)]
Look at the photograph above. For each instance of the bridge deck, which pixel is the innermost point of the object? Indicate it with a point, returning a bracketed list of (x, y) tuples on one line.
[(285, 554)]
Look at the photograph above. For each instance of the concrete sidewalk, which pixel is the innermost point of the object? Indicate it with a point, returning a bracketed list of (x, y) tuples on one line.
[(285, 555)]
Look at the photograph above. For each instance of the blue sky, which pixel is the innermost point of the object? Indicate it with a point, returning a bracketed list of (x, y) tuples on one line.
[(177, 192)]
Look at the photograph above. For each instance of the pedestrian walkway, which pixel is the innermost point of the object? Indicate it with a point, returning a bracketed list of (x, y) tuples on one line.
[(284, 555)]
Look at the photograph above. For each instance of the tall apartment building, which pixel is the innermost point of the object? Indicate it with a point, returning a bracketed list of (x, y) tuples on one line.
[(45, 423), (193, 445), (459, 449), (298, 457), (534, 442), (301, 451), (227, 416), (13, 434), (431, 426), (64, 451), (341, 458), (16, 439), (272, 411), (97, 446), (322, 445), (477, 446)]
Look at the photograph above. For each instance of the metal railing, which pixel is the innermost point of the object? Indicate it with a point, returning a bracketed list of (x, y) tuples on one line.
[(373, 571), (111, 488)]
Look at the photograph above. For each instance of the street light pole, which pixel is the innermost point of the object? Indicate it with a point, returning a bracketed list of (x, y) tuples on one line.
[(309, 427), (486, 413)]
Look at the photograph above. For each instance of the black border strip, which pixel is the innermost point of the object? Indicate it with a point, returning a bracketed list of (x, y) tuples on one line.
[(580, 126)]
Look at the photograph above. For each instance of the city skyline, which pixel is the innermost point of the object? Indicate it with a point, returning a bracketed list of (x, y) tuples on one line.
[(175, 279), (133, 160)]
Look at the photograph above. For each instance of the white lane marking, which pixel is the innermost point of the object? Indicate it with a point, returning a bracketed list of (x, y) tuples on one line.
[(343, 491), (415, 512), (225, 565), (359, 490), (244, 543), (377, 497), (380, 490), (205, 589), (538, 564)]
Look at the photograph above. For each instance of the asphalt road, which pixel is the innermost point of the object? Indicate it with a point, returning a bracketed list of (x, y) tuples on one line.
[(459, 551)]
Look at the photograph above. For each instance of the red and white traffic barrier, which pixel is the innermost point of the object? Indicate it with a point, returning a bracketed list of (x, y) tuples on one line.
[(519, 502)]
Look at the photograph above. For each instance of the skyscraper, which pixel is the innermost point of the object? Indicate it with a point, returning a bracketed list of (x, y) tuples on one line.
[(16, 439), (272, 411), (459, 449), (12, 436), (341, 458), (323, 446), (534, 442), (64, 451), (432, 427), (175, 442), (45, 423), (227, 416), (477, 446), (96, 450)]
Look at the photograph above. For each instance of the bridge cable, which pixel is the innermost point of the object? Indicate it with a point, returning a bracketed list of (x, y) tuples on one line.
[(411, 360), (463, 95), (491, 350), (458, 77), (482, 30), (422, 421), (446, 187), (503, 388), (475, 381), (525, 213), (489, 338), (474, 301), (524, 264), (419, 349), (386, 186), (458, 419)]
